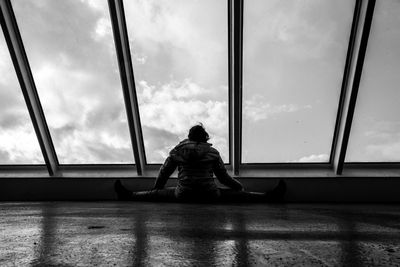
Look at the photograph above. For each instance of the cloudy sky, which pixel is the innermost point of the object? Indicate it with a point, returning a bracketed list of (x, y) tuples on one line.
[(71, 52), (180, 55), (294, 53), (375, 134), (18, 143), (294, 56)]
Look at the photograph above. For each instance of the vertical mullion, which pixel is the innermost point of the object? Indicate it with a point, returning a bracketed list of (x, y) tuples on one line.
[(236, 41), (230, 85), (128, 81), (351, 94), (27, 84), (230, 75), (346, 77)]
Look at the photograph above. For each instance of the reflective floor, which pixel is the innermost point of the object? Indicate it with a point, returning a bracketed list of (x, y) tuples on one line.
[(171, 234)]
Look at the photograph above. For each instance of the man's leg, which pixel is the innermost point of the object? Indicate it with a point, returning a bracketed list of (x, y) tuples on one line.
[(201, 195), (275, 195), (230, 195), (226, 195), (166, 194)]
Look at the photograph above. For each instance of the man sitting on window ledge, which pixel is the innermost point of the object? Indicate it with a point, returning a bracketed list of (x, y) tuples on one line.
[(197, 161)]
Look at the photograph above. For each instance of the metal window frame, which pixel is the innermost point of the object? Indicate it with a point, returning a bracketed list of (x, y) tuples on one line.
[(121, 41), (27, 84), (362, 19), (345, 80), (354, 68), (235, 37), (230, 79)]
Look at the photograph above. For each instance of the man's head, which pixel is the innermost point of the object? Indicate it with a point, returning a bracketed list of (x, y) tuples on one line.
[(198, 134)]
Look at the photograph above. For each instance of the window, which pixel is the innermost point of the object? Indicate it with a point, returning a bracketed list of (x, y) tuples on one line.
[(179, 51), (293, 60), (294, 56), (72, 55), (375, 133), (19, 144)]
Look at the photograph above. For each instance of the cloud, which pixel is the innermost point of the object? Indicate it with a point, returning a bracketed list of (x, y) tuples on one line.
[(96, 4), (77, 143), (389, 152), (10, 93), (18, 143), (117, 153), (257, 108), (179, 40), (375, 140), (76, 73), (158, 143), (171, 109), (5, 157), (103, 29), (314, 158), (180, 61), (14, 118), (294, 51), (138, 58), (179, 49), (182, 79), (19, 146), (303, 30)]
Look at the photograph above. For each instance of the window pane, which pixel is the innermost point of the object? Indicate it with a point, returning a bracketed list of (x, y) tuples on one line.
[(71, 52), (180, 53), (375, 133), (18, 142), (293, 61)]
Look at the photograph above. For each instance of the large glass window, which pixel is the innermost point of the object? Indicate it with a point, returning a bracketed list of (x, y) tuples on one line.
[(375, 133), (179, 51), (72, 55), (18, 142), (293, 60)]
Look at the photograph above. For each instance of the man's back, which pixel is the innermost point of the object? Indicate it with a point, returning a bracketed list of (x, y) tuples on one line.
[(196, 162)]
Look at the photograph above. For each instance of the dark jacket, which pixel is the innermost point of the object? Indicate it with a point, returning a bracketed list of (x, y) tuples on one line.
[(196, 162)]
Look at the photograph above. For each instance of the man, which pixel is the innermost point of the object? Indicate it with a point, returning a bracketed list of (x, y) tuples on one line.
[(197, 161)]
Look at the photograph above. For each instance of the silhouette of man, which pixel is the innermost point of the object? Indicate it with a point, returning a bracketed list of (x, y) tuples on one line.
[(197, 162)]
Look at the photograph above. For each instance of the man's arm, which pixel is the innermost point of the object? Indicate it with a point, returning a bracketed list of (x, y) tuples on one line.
[(165, 172), (223, 176)]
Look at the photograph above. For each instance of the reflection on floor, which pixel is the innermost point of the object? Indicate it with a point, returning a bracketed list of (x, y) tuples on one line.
[(154, 234)]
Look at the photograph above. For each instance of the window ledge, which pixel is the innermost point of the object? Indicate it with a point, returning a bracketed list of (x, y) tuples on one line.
[(246, 171)]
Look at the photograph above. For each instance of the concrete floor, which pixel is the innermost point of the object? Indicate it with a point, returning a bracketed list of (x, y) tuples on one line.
[(154, 234)]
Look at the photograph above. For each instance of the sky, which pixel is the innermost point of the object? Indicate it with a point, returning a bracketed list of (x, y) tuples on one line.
[(293, 60), (18, 142), (375, 133), (180, 55), (294, 56), (71, 51)]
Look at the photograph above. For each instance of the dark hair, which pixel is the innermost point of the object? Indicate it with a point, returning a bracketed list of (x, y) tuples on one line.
[(198, 134)]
